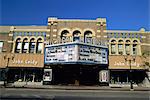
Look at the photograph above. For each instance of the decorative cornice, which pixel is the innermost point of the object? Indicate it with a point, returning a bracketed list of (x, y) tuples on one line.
[(32, 30), (125, 31), (76, 20)]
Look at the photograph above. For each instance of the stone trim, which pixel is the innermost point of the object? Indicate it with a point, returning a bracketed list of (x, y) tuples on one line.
[(124, 31), (32, 30)]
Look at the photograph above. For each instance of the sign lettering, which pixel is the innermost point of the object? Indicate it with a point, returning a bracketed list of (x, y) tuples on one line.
[(126, 64), (18, 61)]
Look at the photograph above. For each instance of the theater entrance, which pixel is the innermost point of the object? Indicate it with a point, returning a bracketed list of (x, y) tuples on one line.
[(75, 75)]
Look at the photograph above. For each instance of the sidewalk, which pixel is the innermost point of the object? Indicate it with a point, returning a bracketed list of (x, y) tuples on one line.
[(73, 87)]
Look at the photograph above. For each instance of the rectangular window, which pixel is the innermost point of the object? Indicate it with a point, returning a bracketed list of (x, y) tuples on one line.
[(32, 47), (40, 47), (25, 47), (120, 49), (120, 46), (19, 46), (127, 49), (1, 46), (113, 49), (134, 49)]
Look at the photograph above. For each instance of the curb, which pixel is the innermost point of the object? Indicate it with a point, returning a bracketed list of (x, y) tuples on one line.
[(81, 88)]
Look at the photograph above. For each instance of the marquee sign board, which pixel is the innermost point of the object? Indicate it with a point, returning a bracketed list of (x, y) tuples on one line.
[(76, 53)]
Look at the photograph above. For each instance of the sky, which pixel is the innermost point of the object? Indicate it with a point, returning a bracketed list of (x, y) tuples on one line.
[(120, 14)]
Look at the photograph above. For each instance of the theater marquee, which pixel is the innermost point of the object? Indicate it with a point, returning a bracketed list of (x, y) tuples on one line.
[(75, 53)]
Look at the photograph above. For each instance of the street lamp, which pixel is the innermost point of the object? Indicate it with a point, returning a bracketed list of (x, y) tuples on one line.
[(130, 59), (8, 58)]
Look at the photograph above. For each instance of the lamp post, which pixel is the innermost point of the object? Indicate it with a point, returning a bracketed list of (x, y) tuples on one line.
[(8, 58), (130, 59)]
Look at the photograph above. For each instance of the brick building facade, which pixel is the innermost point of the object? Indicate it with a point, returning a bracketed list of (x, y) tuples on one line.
[(22, 51)]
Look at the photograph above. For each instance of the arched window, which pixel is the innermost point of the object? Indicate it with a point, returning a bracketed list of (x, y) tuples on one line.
[(18, 45), (25, 45), (135, 41), (87, 36), (76, 35), (128, 41), (39, 47), (113, 47), (32, 45), (120, 47), (120, 41), (113, 41), (127, 47), (135, 47), (64, 34)]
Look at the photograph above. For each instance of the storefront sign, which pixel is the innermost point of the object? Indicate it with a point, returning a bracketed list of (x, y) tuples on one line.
[(126, 64), (116, 62), (18, 61)]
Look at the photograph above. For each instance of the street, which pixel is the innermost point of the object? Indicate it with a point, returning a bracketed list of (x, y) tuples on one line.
[(56, 94)]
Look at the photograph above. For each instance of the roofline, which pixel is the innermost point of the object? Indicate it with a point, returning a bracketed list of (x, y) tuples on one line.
[(125, 31), (77, 20)]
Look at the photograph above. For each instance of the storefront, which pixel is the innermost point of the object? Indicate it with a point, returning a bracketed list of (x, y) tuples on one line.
[(122, 71), (25, 68), (3, 65)]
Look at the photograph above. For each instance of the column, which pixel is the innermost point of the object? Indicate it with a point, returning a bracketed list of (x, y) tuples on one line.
[(21, 47), (28, 47), (131, 49), (139, 49), (116, 48), (35, 46), (14, 45), (124, 49), (42, 48), (109, 49)]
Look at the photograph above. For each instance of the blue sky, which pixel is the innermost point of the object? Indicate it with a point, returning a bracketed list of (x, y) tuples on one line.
[(120, 14)]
